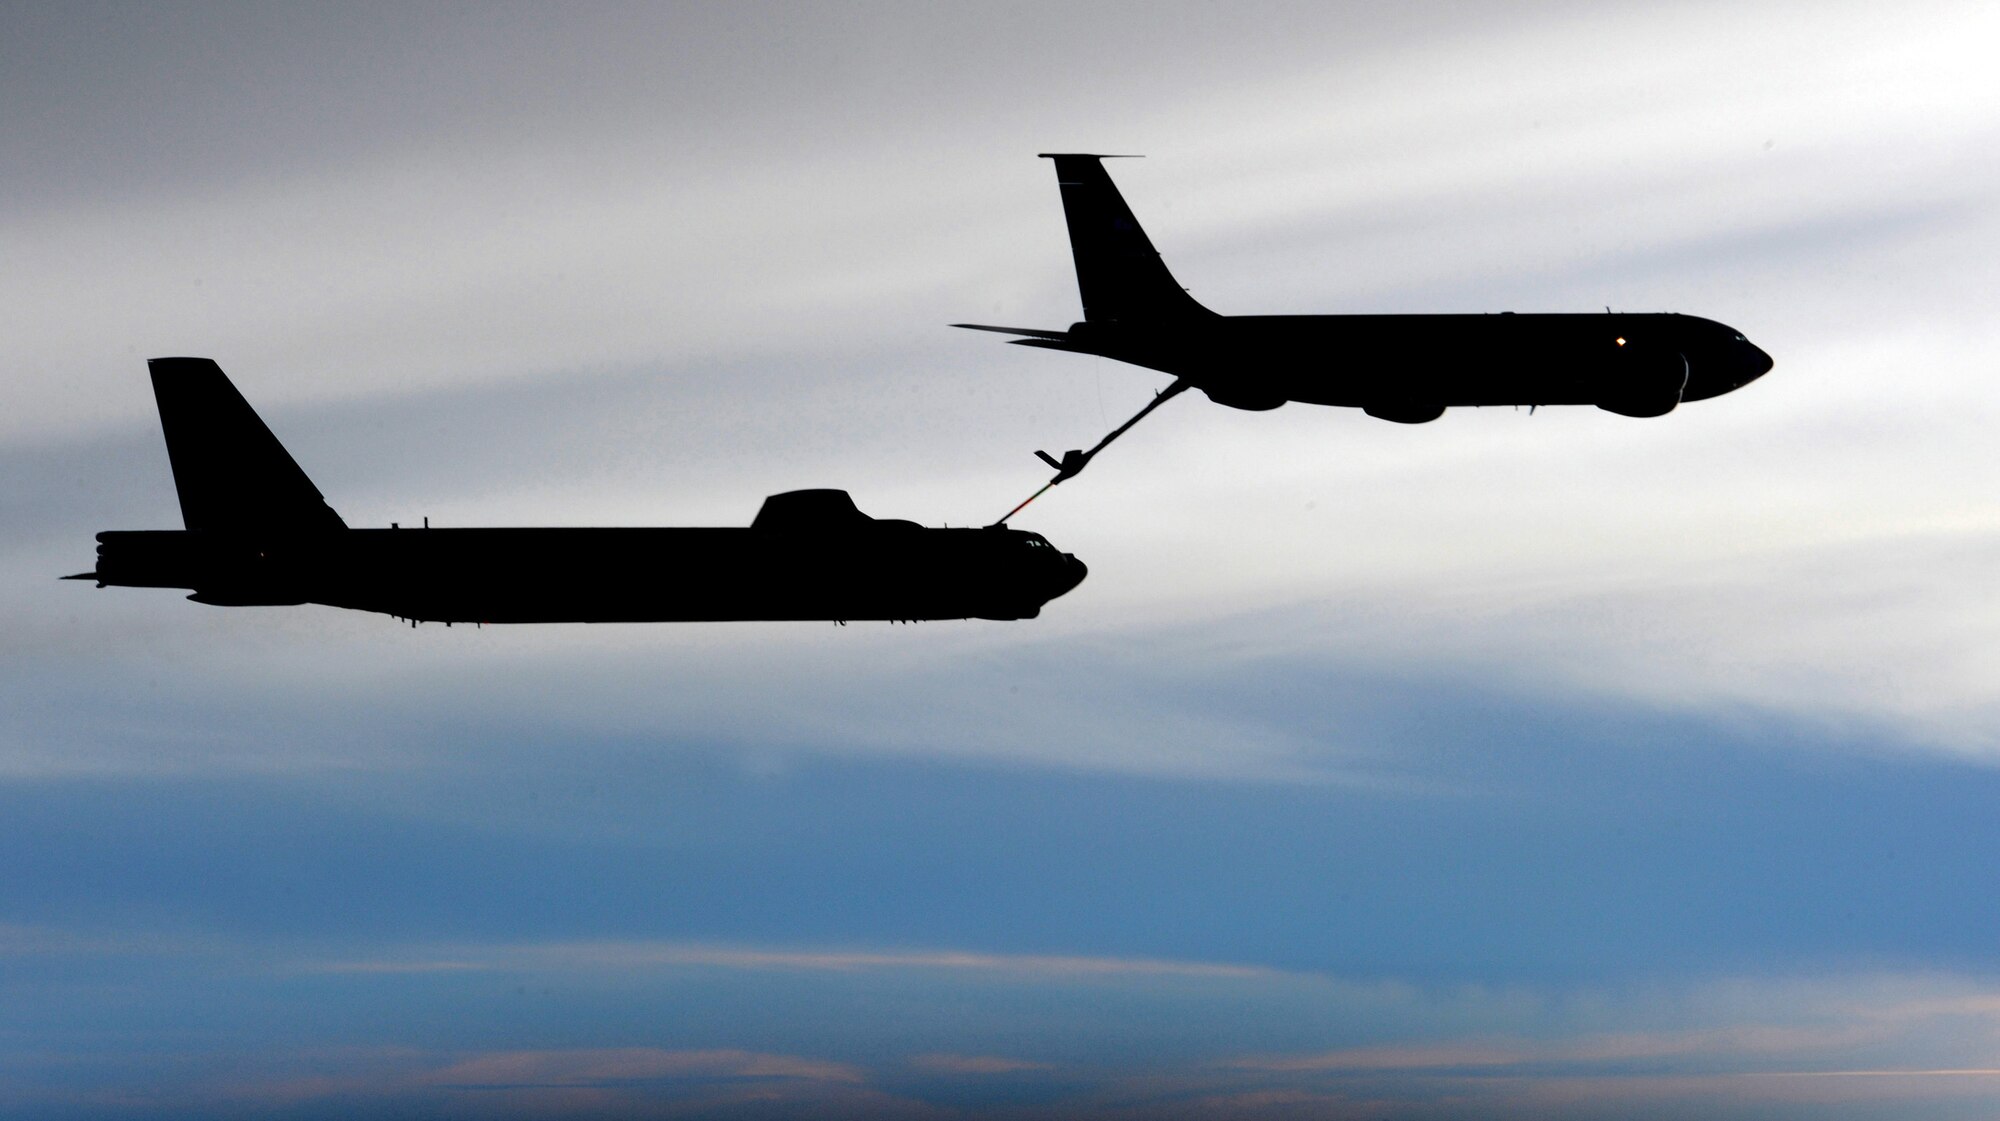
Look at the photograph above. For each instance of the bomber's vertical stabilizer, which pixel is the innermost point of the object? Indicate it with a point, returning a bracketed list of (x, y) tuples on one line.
[(1118, 272), (231, 472)]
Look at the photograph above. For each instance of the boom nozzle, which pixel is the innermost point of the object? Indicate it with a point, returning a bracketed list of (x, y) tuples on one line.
[(1068, 467)]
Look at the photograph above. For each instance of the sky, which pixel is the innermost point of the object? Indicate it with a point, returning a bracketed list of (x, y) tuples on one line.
[(1560, 765)]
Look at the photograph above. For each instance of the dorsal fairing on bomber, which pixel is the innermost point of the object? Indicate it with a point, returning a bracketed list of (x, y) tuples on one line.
[(810, 511), (230, 471), (1118, 272), (823, 510)]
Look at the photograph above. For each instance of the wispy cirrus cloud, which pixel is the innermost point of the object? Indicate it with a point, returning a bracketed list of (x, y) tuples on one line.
[(1735, 1048), (668, 955), (1733, 1041), (556, 1082), (1801, 1044), (975, 1064), (624, 1065), (394, 967)]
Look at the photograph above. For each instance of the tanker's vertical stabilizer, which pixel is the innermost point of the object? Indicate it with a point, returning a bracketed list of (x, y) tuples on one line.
[(1118, 272)]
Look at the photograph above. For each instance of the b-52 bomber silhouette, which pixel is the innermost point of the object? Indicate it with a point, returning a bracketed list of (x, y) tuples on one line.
[(1404, 368), (259, 533)]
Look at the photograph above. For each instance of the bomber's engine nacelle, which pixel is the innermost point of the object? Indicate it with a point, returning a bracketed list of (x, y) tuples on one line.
[(1643, 381), (1405, 411)]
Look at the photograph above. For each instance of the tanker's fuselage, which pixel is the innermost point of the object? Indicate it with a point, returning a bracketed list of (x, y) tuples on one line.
[(1639, 363)]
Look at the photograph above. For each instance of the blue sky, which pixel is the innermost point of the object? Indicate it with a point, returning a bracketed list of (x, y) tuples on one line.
[(1561, 765)]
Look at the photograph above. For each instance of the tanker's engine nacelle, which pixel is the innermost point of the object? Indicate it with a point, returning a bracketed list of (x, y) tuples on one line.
[(1642, 381), (1237, 397), (1405, 410)]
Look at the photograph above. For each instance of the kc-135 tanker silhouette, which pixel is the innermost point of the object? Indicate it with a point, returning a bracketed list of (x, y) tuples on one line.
[(1405, 368), (259, 533)]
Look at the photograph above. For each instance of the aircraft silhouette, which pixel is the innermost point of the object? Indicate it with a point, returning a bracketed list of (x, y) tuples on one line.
[(259, 533), (1404, 368)]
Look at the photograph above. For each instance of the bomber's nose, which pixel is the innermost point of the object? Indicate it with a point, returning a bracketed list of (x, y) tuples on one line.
[(1756, 363), (1072, 574)]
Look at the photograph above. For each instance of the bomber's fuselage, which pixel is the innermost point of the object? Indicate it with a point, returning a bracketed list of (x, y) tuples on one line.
[(879, 570), (260, 533)]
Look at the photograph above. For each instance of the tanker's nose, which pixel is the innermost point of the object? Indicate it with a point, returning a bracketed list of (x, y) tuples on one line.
[(1723, 361), (1747, 362)]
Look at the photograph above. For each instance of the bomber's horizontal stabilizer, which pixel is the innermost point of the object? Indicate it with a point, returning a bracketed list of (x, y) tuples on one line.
[(82, 576)]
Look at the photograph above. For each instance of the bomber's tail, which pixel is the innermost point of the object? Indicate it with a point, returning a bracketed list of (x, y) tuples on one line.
[(232, 473), (1118, 272)]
